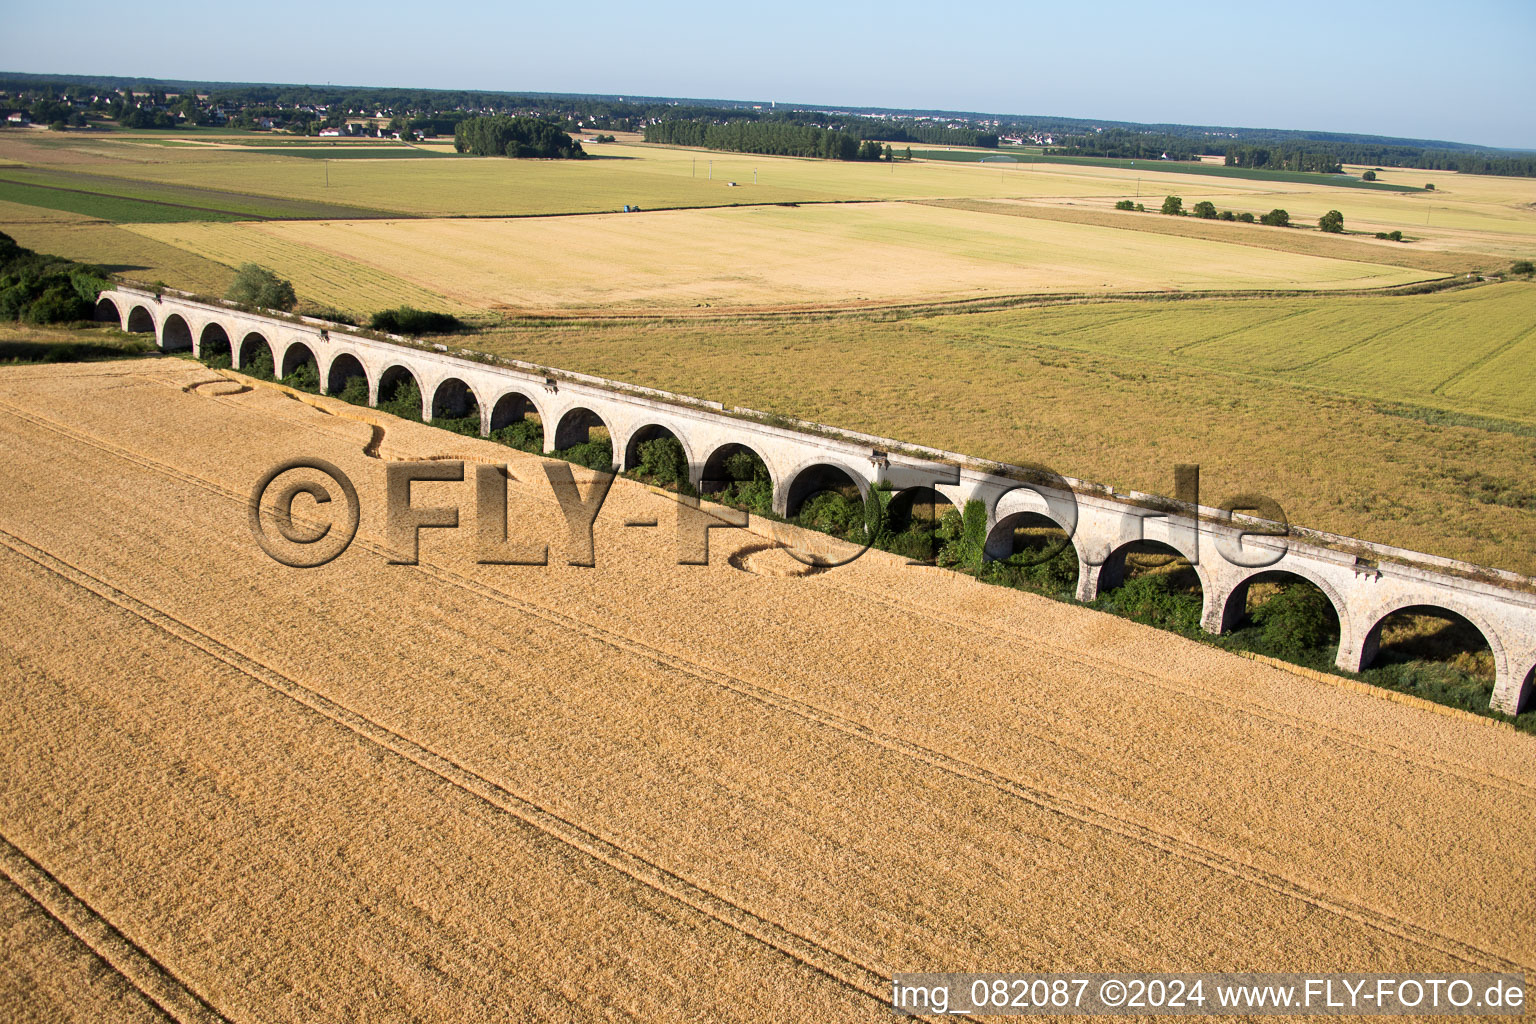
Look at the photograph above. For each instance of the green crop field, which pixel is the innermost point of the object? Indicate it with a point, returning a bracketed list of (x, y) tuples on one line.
[(135, 200), (102, 206)]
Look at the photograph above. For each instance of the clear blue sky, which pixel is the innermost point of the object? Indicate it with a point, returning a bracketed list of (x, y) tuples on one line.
[(1427, 70)]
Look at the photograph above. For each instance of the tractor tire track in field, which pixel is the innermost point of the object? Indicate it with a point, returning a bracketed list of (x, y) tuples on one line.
[(1129, 673), (1371, 744), (1222, 336), (193, 388), (372, 448), (1064, 807), (1361, 342), (148, 976), (1517, 788), (800, 949), (1479, 363)]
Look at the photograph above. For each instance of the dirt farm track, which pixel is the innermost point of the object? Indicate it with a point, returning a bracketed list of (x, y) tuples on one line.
[(459, 792)]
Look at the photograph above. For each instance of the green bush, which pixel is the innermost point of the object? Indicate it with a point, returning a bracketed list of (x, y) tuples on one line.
[(749, 485), (877, 515), (468, 425), (1297, 620), (662, 460), (41, 289), (1173, 206), (1522, 267), (965, 536), (834, 513), (1331, 222), (1205, 210), (408, 320), (756, 496), (355, 391), (1246, 218), (260, 365), (1276, 219), (1153, 599), (1125, 204), (1055, 577), (592, 454), (404, 402), (524, 435), (255, 285), (305, 377)]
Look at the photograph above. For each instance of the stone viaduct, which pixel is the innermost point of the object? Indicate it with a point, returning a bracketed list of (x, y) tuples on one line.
[(1365, 582)]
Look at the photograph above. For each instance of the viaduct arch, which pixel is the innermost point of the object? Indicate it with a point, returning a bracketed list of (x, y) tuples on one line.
[(1365, 582)]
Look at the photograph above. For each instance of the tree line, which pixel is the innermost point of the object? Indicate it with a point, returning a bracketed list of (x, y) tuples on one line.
[(774, 138), (1118, 144), (498, 135), (1283, 158), (1323, 156)]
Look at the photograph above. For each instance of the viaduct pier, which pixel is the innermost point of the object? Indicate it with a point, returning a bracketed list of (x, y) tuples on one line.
[(1365, 582)]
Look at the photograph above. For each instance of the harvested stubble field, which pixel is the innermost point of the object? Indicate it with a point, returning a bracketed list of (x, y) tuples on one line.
[(461, 792), (760, 257), (1404, 420), (1468, 223)]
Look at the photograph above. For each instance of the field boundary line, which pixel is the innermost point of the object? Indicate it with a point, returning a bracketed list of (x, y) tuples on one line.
[(1224, 335), (1358, 686), (1196, 691), (1362, 342), (1465, 772), (1065, 807), (801, 950), (152, 979), (1477, 364)]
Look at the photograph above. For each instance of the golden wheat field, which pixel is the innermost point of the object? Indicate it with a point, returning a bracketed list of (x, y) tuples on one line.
[(237, 791), (735, 257), (719, 230)]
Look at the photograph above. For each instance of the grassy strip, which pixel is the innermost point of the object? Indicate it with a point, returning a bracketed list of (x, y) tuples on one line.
[(234, 205), (1159, 166), (1446, 418), (16, 351), (118, 209)]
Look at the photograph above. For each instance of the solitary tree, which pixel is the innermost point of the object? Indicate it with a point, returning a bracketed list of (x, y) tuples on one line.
[(1174, 206), (1276, 219), (1205, 210), (1368, 176), (257, 286), (1332, 222)]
